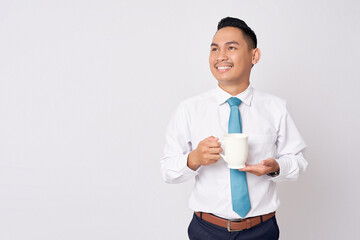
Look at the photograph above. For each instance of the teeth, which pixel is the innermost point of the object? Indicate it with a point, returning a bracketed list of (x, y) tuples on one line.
[(221, 68)]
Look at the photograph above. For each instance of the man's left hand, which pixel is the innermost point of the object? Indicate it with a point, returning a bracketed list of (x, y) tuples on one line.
[(269, 165)]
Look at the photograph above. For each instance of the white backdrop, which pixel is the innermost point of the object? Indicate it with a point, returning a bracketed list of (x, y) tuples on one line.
[(87, 88)]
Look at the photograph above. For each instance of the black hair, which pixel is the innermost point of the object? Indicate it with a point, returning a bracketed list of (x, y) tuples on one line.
[(238, 23)]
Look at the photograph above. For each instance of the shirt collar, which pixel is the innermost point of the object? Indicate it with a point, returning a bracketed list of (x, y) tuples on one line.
[(245, 96)]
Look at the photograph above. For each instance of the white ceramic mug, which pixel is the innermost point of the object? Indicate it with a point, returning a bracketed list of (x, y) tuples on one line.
[(235, 149)]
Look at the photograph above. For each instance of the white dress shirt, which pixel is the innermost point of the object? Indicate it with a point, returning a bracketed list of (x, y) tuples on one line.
[(272, 134)]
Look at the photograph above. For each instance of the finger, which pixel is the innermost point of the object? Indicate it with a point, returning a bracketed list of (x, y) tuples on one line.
[(265, 163), (215, 150), (214, 157), (210, 161), (268, 163), (248, 168), (213, 144), (211, 138), (253, 169), (208, 139)]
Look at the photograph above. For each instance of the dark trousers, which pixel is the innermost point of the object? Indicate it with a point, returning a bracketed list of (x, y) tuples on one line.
[(201, 230)]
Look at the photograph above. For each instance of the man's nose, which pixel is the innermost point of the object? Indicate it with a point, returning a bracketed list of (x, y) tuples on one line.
[(222, 56)]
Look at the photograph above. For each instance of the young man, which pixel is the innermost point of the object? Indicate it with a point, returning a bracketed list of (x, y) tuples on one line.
[(233, 203)]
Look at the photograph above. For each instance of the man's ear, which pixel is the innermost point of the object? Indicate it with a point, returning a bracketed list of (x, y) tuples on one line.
[(256, 54)]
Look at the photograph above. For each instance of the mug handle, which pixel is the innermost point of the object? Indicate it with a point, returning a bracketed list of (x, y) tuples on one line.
[(221, 154)]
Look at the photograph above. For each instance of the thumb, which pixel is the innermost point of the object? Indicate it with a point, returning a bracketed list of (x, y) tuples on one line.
[(212, 138), (266, 163)]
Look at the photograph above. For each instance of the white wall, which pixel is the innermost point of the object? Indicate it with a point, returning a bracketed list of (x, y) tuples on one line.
[(87, 88)]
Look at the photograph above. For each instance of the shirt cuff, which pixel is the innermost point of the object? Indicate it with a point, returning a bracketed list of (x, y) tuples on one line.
[(285, 168), (186, 170), (177, 170)]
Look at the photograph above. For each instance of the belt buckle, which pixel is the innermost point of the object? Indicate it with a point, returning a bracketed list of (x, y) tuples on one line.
[(229, 227)]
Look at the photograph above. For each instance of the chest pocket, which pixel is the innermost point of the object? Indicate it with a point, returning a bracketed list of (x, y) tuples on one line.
[(261, 147)]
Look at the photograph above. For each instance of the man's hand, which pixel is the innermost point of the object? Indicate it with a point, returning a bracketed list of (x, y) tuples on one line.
[(207, 152), (269, 165)]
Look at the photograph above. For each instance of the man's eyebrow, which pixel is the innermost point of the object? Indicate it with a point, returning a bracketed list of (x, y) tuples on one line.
[(227, 43), (232, 42)]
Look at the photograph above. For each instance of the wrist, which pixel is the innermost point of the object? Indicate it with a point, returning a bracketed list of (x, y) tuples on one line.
[(276, 171), (191, 161), (274, 174)]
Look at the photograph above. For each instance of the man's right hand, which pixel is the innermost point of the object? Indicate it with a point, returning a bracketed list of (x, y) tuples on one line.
[(207, 152)]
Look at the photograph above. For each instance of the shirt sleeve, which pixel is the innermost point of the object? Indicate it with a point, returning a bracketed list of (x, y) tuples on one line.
[(177, 147), (290, 147)]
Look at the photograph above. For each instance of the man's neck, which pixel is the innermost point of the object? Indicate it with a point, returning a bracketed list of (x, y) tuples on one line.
[(234, 89)]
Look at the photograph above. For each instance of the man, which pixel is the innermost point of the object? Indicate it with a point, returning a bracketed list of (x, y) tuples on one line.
[(233, 203)]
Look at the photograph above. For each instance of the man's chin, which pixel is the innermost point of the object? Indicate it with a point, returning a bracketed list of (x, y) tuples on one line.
[(231, 82), (225, 81)]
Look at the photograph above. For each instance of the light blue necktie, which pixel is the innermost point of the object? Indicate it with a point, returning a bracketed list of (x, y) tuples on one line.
[(239, 189)]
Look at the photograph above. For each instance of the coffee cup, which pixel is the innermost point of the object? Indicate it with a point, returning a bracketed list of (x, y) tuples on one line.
[(235, 149)]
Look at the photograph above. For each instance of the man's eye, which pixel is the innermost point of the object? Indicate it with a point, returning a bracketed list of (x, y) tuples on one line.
[(214, 49), (232, 48)]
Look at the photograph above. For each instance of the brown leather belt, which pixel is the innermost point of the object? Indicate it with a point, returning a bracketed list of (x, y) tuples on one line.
[(237, 224)]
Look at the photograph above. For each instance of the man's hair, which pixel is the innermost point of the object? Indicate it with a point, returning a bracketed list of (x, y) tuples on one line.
[(249, 34)]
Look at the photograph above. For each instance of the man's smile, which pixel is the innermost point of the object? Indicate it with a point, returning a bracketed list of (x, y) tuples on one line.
[(223, 68)]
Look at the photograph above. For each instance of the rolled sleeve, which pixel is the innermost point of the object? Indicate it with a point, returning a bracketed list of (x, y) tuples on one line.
[(290, 147), (177, 148), (175, 169), (291, 167)]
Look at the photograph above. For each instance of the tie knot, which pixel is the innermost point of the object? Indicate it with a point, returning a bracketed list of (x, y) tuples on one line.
[(234, 101)]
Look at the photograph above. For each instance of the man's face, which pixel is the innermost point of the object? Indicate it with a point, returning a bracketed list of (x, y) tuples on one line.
[(230, 58)]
